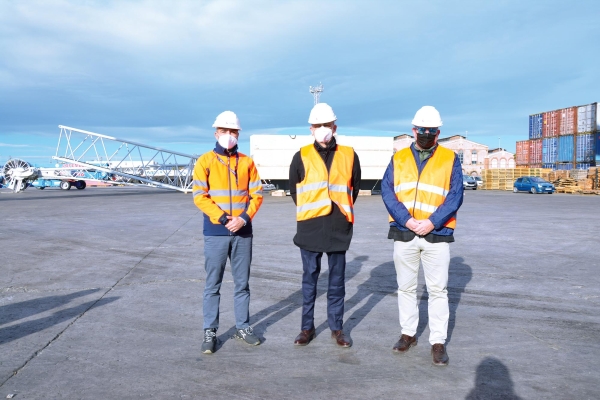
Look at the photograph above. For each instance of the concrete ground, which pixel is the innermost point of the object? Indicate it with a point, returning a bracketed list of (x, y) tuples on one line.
[(101, 297)]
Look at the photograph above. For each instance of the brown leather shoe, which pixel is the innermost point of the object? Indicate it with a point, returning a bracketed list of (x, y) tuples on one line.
[(440, 358), (405, 343), (340, 339), (305, 337)]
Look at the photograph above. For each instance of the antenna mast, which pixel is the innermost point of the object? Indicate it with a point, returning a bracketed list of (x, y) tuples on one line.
[(316, 91)]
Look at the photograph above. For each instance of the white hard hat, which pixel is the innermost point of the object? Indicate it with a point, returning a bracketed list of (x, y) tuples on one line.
[(321, 113), (227, 119), (427, 117)]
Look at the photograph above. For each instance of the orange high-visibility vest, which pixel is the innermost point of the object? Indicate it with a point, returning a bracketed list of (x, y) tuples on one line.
[(226, 184), (319, 188), (422, 195)]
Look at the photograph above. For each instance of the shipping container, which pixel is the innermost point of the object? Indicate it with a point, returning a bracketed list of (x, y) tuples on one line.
[(549, 150), (549, 166), (597, 148), (564, 166), (585, 148), (535, 151), (586, 118), (550, 128), (567, 121), (565, 148), (583, 166), (522, 155), (536, 122)]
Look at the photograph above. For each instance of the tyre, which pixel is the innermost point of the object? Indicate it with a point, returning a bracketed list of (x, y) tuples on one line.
[(65, 185), (515, 190), (80, 185), (532, 190)]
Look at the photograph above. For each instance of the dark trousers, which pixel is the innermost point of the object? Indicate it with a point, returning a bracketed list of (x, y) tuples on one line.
[(336, 290)]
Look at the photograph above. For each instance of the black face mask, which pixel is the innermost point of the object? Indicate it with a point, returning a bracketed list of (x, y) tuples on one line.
[(426, 140)]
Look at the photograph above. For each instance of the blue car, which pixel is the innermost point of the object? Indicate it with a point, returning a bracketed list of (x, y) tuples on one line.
[(533, 184)]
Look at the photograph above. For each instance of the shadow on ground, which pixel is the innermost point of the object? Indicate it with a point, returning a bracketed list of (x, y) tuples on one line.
[(274, 313), (14, 332), (16, 311), (492, 381)]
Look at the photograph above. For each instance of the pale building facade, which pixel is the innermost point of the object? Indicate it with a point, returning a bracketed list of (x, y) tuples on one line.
[(474, 157), (499, 158)]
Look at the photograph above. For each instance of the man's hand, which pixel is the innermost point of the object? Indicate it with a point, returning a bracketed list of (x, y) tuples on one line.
[(424, 226), (235, 223), (412, 224)]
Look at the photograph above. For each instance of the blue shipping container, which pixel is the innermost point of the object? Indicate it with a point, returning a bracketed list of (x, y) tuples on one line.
[(565, 148), (564, 167), (583, 166), (549, 147), (585, 148), (597, 146), (536, 122), (549, 166)]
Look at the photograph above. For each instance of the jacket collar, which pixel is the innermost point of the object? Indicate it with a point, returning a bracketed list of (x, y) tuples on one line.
[(330, 146), (224, 152)]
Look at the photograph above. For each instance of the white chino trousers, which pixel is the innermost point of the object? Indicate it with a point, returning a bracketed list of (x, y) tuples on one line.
[(435, 258)]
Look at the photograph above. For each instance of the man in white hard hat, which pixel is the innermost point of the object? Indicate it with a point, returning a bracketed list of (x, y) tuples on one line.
[(422, 190), (324, 184), (228, 190)]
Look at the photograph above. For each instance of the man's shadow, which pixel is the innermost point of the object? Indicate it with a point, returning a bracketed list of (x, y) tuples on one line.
[(20, 330), (459, 275), (285, 307), (492, 381), (381, 283)]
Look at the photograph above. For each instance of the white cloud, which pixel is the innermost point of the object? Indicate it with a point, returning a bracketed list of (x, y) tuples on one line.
[(13, 145)]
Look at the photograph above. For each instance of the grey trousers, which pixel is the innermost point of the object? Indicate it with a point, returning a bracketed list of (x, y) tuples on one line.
[(216, 251)]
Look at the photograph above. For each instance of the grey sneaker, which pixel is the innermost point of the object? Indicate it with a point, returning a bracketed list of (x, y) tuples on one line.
[(247, 336), (210, 341)]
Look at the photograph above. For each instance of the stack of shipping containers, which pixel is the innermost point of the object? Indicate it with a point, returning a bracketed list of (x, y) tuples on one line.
[(562, 139)]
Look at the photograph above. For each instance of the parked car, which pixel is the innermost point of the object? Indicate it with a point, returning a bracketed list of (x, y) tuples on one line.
[(478, 180), (533, 184), (469, 182)]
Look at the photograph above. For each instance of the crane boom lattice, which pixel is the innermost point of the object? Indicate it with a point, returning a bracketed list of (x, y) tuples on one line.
[(130, 162)]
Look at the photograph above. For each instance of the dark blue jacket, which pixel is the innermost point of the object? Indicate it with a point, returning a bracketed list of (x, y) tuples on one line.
[(440, 216)]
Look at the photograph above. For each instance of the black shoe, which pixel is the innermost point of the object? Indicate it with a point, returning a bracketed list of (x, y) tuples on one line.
[(404, 344), (438, 352), (210, 341)]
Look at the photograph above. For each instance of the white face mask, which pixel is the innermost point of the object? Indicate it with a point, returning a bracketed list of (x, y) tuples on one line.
[(323, 134), (227, 141)]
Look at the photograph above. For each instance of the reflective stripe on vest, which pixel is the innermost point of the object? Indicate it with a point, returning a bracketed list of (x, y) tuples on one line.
[(221, 184), (319, 188), (423, 194)]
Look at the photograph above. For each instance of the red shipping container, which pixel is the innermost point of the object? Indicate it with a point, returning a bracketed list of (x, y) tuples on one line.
[(567, 124), (550, 127), (535, 151), (522, 156)]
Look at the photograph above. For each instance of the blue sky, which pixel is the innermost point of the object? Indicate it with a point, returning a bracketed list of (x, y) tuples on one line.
[(158, 72)]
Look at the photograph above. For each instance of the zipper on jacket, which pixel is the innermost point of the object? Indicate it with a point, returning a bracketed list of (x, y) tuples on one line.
[(419, 170), (229, 182)]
